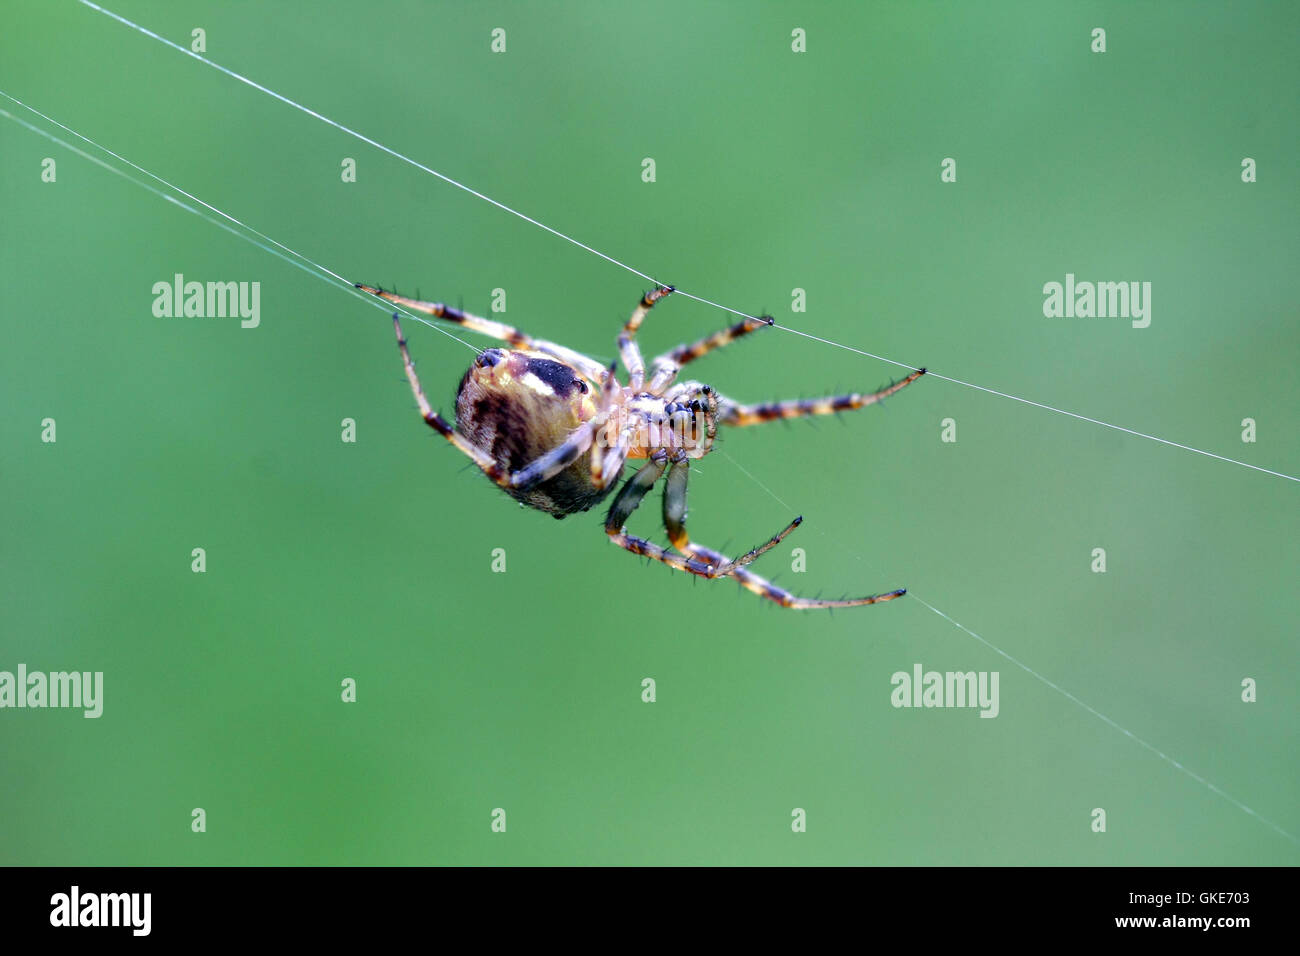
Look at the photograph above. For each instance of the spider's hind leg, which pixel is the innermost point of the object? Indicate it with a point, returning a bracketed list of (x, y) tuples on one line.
[(440, 424)]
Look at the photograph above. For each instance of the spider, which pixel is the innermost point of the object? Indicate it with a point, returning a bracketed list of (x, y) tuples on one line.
[(553, 428)]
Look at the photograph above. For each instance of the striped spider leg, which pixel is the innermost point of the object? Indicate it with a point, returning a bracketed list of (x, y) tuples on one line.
[(738, 415), (714, 565), (695, 558), (735, 414), (620, 431), (590, 368)]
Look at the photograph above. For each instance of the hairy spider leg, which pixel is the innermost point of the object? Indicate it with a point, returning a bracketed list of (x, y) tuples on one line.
[(633, 491), (539, 469), (706, 562), (736, 414), (766, 589), (628, 350), (675, 521), (667, 366), (589, 368), (608, 461), (608, 458)]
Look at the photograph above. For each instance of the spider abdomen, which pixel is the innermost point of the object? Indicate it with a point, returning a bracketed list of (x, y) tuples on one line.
[(518, 405)]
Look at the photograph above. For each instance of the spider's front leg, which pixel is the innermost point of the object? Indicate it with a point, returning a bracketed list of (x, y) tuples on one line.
[(668, 365), (628, 350), (733, 413)]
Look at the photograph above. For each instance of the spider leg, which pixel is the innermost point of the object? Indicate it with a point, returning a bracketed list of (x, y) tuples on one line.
[(732, 413), (538, 470), (715, 565), (611, 433), (440, 424), (766, 589), (628, 350), (668, 365), (702, 561), (675, 522), (705, 562), (589, 368), (556, 460), (607, 461), (627, 501)]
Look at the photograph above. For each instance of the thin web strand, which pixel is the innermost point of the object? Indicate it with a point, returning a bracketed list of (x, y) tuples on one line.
[(623, 265), (1213, 788), (307, 265), (751, 476), (1060, 411), (360, 136)]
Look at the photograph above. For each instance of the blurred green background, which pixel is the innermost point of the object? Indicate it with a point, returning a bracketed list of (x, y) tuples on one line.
[(521, 690)]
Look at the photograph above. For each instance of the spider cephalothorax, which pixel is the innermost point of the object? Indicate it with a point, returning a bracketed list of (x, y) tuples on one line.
[(554, 428)]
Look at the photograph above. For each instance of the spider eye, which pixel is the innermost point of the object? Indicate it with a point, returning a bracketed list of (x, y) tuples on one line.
[(489, 358), (582, 386)]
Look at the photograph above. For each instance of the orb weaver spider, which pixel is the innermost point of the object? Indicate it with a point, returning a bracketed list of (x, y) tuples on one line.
[(553, 428)]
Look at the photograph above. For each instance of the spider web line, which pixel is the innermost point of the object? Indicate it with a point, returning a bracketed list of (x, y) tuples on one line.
[(1100, 716), (1050, 408), (361, 136), (1176, 764), (623, 265), (752, 477), (306, 265)]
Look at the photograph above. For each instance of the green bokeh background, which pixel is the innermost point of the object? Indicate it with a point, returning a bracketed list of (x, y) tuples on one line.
[(522, 690)]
